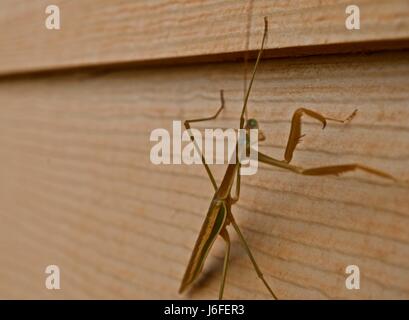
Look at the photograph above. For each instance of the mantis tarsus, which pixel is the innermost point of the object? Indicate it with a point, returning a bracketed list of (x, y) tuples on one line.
[(219, 214)]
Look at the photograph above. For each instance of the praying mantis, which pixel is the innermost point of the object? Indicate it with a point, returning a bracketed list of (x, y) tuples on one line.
[(219, 215)]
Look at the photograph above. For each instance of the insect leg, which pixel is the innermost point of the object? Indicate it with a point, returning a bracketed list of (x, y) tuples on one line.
[(253, 261), (187, 126), (295, 131), (225, 236)]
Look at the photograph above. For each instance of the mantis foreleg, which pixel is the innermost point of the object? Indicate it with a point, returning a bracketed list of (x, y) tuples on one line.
[(295, 131)]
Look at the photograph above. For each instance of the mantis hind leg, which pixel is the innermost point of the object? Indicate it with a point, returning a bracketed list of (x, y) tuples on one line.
[(187, 126), (225, 235), (248, 251), (295, 132)]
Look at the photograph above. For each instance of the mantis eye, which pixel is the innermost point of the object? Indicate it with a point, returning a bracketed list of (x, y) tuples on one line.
[(252, 124)]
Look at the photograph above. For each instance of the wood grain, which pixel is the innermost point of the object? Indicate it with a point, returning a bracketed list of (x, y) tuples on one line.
[(110, 32), (77, 188)]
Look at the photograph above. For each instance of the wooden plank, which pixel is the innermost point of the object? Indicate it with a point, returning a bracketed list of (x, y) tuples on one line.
[(109, 32), (77, 188)]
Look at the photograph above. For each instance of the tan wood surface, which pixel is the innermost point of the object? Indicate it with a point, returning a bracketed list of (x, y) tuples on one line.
[(109, 31), (77, 188)]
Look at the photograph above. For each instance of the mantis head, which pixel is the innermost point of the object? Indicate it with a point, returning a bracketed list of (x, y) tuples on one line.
[(253, 124)]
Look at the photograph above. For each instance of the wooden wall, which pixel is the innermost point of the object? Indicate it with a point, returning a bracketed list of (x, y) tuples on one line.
[(77, 188)]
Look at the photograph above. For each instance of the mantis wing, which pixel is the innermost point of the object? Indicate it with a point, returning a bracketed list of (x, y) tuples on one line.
[(215, 218)]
